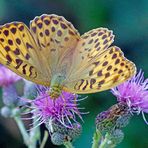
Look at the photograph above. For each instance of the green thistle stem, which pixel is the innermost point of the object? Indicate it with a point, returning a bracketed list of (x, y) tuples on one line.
[(22, 130), (30, 139), (106, 142), (68, 145), (96, 139), (44, 139), (34, 134)]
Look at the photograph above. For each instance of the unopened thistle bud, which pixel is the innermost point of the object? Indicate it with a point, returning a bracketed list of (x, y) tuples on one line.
[(10, 96), (115, 117), (74, 132), (116, 137), (57, 138), (6, 112)]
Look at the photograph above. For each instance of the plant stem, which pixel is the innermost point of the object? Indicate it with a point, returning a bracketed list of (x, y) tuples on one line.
[(30, 140), (34, 134), (106, 142), (22, 129), (68, 145), (96, 139), (44, 139)]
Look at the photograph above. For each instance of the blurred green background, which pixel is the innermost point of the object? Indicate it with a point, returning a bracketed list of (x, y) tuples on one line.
[(128, 20)]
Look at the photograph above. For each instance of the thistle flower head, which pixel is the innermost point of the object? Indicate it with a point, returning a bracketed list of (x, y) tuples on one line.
[(134, 93), (7, 76), (59, 115), (63, 110)]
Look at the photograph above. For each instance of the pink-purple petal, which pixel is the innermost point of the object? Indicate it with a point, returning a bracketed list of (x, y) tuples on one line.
[(7, 76), (63, 109)]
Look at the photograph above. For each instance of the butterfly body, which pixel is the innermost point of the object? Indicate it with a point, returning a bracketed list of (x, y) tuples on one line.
[(56, 86), (52, 53)]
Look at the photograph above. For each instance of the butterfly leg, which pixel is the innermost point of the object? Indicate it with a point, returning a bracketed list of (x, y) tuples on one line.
[(64, 100)]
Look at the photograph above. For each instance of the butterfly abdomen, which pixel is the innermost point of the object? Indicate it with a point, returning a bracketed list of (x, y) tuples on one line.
[(55, 91)]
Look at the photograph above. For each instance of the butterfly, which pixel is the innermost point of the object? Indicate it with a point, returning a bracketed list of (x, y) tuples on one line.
[(52, 53)]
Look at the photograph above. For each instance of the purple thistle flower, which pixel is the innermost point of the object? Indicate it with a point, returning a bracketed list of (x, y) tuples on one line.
[(63, 110), (134, 93), (7, 76)]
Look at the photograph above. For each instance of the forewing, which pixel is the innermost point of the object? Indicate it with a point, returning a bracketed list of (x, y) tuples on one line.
[(57, 39), (19, 52)]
